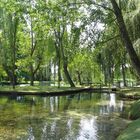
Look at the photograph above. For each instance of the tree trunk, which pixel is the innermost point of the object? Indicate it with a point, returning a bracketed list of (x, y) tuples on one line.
[(105, 77), (13, 48), (13, 69), (65, 64), (59, 72), (31, 55), (125, 37), (79, 77), (65, 67), (31, 75), (123, 74), (67, 73), (48, 75), (58, 56), (54, 76), (58, 64), (61, 56), (14, 82)]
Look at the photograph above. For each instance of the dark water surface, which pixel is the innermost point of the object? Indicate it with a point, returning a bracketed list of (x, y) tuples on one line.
[(85, 116)]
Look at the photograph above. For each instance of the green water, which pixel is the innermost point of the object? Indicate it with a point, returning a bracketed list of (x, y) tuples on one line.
[(85, 116)]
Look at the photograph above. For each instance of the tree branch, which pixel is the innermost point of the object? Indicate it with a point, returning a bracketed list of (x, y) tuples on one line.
[(103, 42), (98, 5)]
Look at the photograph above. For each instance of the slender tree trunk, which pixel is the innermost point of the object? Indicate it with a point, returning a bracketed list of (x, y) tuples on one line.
[(13, 69), (54, 76), (79, 77), (48, 75), (59, 72), (67, 73), (14, 78), (13, 47), (31, 75), (123, 74), (33, 72), (65, 64), (57, 48), (112, 75), (58, 63), (125, 37), (105, 71), (33, 46), (65, 68)]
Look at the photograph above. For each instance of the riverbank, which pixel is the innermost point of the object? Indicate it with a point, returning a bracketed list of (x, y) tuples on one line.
[(132, 93), (132, 132), (48, 90)]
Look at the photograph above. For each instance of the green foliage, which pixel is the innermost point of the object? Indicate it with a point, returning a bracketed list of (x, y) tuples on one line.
[(134, 111), (85, 65), (132, 132), (84, 34)]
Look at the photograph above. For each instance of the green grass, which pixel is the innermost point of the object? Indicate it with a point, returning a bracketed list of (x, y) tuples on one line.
[(131, 91), (35, 88), (132, 132)]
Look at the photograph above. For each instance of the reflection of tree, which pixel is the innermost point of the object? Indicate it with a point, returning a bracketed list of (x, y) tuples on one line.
[(54, 103), (69, 100), (88, 129)]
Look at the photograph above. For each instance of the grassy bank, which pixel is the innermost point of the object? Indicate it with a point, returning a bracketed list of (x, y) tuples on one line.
[(134, 91), (132, 132), (41, 90), (36, 88)]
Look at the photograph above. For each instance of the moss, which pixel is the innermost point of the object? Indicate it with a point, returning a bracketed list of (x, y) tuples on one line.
[(134, 111), (132, 132)]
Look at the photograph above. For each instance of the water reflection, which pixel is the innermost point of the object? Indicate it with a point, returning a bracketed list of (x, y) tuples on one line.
[(121, 105), (52, 104), (112, 102), (88, 129), (30, 133), (83, 116)]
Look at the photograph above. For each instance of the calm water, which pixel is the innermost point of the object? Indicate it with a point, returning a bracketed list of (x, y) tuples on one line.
[(85, 116)]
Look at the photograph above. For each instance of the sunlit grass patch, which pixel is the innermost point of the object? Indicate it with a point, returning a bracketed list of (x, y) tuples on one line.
[(36, 88)]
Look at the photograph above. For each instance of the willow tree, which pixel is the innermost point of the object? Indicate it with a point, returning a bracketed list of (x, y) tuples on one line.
[(125, 36), (34, 32), (62, 20), (105, 7), (9, 27)]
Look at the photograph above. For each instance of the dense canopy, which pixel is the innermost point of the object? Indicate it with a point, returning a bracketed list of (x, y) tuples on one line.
[(72, 42)]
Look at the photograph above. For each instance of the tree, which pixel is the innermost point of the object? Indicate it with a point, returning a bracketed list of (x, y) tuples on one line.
[(35, 34), (125, 37), (60, 19), (10, 22)]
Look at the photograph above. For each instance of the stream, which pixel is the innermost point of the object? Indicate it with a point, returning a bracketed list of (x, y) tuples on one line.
[(84, 116)]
